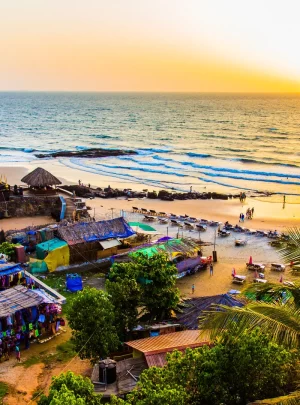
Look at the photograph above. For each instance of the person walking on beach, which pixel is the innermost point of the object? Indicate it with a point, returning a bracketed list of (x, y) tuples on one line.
[(211, 269), (18, 354), (252, 212), (283, 201), (193, 288)]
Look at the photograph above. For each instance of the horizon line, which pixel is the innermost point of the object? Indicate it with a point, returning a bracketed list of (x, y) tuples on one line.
[(153, 92)]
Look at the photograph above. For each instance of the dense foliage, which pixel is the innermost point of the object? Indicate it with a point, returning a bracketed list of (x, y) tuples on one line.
[(91, 316), (70, 389), (125, 295), (8, 249), (157, 279), (233, 372)]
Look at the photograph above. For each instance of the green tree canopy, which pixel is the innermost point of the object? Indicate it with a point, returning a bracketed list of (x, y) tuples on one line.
[(125, 295), (91, 316), (235, 371), (157, 279), (70, 389)]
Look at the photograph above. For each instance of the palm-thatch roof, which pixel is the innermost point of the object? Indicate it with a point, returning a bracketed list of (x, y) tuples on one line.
[(191, 309), (40, 177), (95, 231)]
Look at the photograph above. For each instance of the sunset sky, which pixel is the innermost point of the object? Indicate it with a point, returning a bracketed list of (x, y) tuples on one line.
[(157, 45)]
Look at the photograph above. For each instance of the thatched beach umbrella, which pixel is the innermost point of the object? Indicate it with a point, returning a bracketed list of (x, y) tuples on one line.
[(40, 178)]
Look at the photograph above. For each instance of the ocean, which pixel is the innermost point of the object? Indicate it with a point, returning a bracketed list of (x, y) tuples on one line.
[(228, 141)]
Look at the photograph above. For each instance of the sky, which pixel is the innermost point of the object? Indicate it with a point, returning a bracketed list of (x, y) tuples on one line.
[(157, 45)]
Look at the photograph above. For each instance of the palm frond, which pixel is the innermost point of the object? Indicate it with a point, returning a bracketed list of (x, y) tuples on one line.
[(291, 249), (274, 291), (280, 322), (291, 399)]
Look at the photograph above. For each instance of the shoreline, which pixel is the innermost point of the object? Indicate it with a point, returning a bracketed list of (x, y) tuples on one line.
[(268, 214)]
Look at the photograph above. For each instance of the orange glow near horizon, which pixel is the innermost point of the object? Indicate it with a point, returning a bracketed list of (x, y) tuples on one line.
[(96, 47)]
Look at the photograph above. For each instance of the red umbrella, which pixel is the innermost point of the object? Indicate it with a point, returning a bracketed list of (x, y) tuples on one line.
[(281, 279), (250, 260), (233, 272)]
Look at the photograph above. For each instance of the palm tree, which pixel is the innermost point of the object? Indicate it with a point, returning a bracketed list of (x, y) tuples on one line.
[(290, 251), (280, 318)]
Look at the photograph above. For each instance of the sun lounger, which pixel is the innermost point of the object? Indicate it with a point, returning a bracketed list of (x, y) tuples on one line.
[(260, 280), (153, 212), (201, 227), (163, 220), (162, 214), (289, 283), (149, 218), (237, 279), (240, 242), (256, 267), (135, 209), (277, 267)]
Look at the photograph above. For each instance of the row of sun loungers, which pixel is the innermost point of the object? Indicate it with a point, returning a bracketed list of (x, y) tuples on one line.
[(198, 223)]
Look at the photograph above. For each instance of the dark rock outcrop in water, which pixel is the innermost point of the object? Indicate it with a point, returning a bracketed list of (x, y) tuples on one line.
[(88, 153)]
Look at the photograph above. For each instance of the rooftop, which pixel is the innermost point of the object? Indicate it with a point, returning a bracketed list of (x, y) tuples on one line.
[(168, 342)]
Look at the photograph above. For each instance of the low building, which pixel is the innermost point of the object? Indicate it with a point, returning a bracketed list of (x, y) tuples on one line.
[(154, 349)]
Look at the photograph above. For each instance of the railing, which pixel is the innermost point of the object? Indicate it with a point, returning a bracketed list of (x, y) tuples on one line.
[(63, 207)]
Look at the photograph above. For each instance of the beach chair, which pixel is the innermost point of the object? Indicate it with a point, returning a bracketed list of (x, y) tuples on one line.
[(153, 212), (162, 214), (238, 279), (277, 267), (163, 220), (144, 211), (135, 209), (201, 227), (260, 281), (188, 225)]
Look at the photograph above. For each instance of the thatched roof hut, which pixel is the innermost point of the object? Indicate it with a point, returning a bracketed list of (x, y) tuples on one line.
[(40, 178), (192, 308)]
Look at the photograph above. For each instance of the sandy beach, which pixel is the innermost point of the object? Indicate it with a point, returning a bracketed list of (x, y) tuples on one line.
[(268, 215)]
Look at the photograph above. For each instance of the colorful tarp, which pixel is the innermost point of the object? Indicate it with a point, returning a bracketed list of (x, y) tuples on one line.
[(37, 266), (58, 257), (95, 231), (9, 268), (42, 249)]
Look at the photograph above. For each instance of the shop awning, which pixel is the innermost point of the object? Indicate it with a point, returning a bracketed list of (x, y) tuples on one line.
[(16, 298), (9, 268), (108, 244)]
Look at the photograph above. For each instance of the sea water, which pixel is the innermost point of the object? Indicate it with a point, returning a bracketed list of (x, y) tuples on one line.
[(237, 141)]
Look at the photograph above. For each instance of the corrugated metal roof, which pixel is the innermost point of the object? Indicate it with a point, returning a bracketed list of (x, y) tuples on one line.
[(110, 243), (168, 342)]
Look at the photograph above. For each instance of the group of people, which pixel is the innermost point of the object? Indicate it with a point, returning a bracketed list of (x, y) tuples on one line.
[(249, 214), (242, 197)]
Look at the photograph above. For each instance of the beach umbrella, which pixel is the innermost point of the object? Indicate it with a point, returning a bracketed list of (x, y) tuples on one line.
[(281, 279), (250, 260), (233, 272)]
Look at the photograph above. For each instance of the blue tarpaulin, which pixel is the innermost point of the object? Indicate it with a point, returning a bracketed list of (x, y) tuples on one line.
[(74, 282), (9, 268)]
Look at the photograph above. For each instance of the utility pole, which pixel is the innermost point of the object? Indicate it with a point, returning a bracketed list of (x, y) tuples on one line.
[(215, 259)]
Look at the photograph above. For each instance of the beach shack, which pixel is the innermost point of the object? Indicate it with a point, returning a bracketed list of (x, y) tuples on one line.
[(25, 315), (121, 377), (154, 349), (90, 241), (191, 309), (40, 181), (54, 253)]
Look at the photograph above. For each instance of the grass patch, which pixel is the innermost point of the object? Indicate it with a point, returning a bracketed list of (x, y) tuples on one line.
[(3, 391), (31, 361), (65, 351)]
